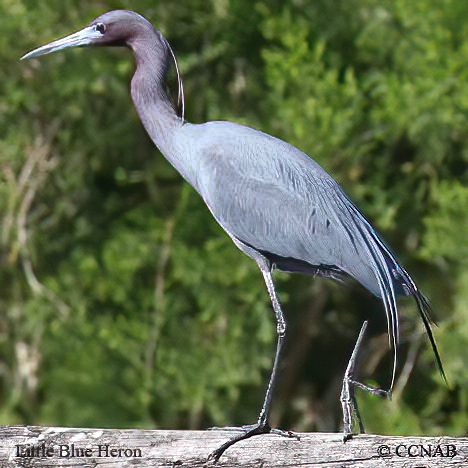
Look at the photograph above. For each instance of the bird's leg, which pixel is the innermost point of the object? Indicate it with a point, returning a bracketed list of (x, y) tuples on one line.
[(347, 398), (281, 333), (262, 426)]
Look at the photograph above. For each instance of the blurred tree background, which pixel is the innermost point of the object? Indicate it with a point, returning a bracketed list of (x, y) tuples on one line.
[(123, 304)]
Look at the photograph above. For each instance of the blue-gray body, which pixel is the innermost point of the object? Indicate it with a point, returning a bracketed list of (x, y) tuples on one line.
[(275, 202)]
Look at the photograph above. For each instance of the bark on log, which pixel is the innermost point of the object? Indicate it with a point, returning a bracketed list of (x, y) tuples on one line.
[(31, 446)]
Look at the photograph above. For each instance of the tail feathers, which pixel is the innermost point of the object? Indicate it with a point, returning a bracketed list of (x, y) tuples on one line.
[(404, 282), (379, 256), (392, 280), (425, 312)]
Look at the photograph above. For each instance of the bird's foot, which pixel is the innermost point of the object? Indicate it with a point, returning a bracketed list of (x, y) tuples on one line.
[(246, 432), (378, 391), (351, 416)]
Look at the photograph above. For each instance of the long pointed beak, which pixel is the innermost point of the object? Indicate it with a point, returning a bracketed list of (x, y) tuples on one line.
[(81, 38)]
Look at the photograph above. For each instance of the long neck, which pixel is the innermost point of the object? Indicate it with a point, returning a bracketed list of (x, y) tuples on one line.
[(152, 104)]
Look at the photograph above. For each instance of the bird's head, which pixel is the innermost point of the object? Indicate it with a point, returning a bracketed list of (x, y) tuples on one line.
[(115, 28), (121, 28)]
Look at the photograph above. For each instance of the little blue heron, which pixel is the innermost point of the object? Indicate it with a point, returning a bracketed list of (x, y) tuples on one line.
[(276, 203)]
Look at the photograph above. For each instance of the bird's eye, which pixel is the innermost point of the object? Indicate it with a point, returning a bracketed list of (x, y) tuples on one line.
[(100, 27)]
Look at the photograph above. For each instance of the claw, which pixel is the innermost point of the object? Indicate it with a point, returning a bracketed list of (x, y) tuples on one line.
[(247, 432)]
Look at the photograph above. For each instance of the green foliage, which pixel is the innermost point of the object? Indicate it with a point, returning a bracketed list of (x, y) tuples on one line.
[(124, 304)]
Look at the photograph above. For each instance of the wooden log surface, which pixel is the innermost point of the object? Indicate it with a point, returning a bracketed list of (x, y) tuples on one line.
[(33, 446)]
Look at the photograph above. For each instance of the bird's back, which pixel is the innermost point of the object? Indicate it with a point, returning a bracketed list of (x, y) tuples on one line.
[(274, 198)]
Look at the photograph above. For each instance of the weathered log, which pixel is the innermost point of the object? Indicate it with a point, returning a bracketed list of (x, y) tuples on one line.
[(32, 446)]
